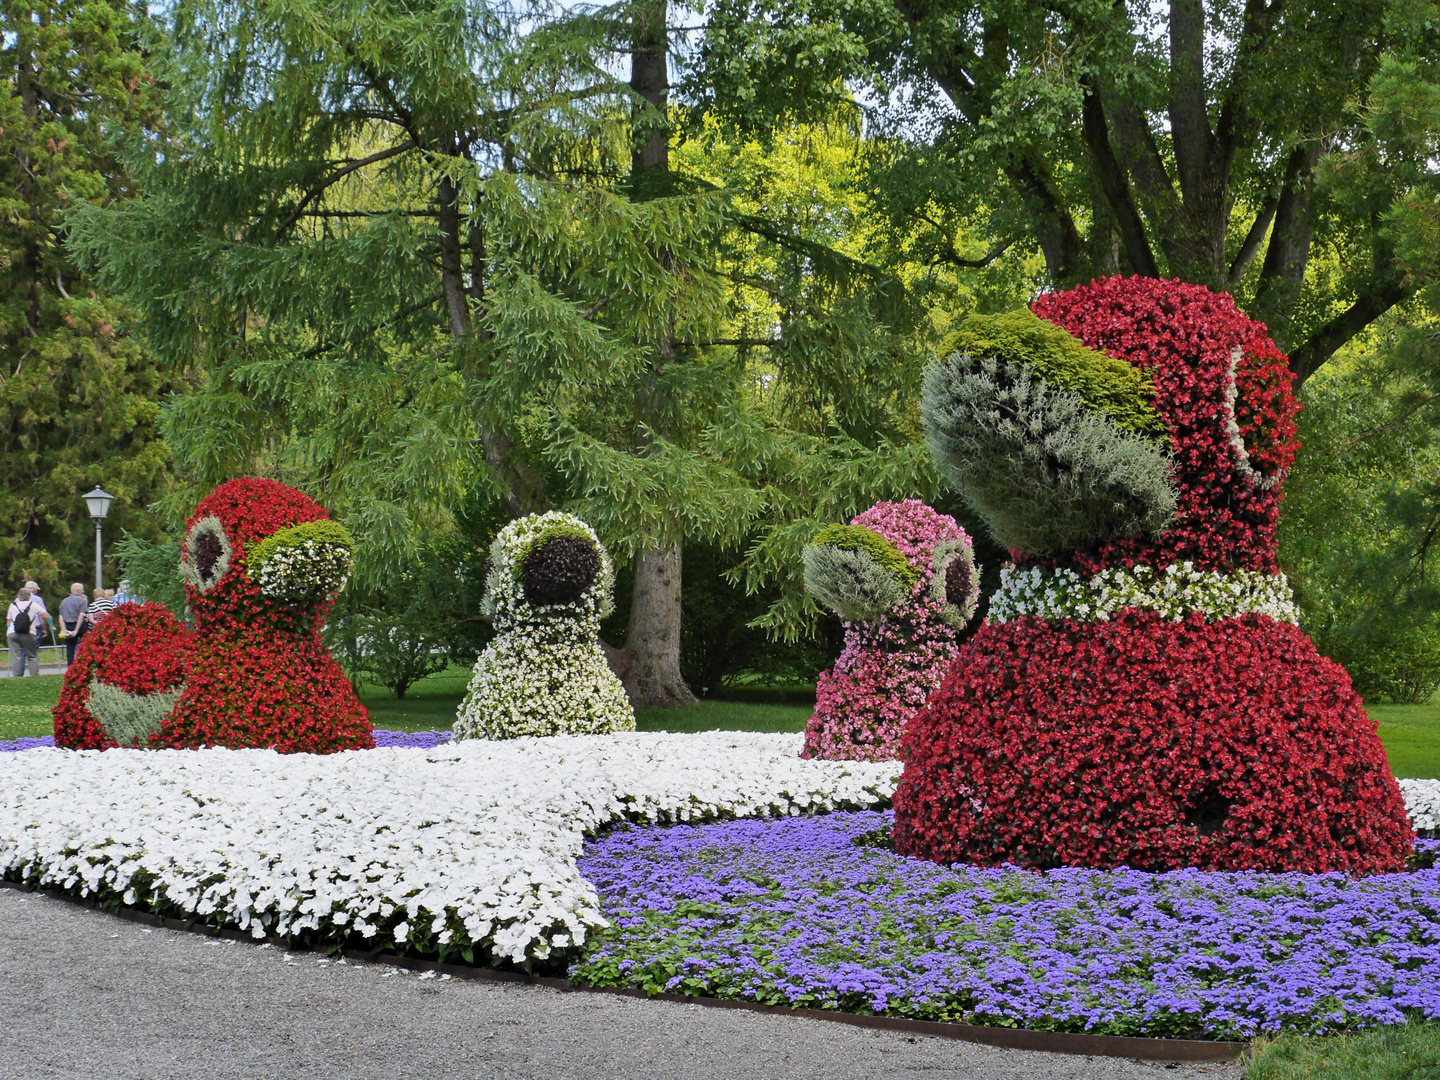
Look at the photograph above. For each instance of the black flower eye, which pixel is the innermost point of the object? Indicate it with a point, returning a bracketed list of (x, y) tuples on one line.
[(559, 570), (207, 554), (959, 582)]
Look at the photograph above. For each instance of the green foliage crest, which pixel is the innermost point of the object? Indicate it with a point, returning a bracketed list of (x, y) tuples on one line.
[(320, 532), (1116, 388), (858, 538)]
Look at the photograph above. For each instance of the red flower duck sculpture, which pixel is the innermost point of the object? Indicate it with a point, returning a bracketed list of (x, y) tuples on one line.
[(1140, 693), (262, 563)]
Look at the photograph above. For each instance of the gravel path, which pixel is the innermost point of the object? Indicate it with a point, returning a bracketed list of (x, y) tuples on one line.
[(87, 996)]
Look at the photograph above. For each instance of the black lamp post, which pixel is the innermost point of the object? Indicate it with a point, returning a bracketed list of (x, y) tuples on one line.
[(99, 503)]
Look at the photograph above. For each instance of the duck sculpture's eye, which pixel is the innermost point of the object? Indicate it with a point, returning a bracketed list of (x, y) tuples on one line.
[(207, 554), (559, 570)]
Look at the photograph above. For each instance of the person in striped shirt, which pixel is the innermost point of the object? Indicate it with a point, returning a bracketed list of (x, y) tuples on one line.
[(100, 606)]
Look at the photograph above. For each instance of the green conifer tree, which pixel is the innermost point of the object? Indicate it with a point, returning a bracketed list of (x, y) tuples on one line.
[(79, 395), (418, 251)]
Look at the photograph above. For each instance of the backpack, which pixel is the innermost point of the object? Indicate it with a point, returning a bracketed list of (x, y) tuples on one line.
[(23, 623)]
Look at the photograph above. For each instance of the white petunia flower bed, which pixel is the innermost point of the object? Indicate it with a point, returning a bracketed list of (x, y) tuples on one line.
[(466, 849), (1422, 803)]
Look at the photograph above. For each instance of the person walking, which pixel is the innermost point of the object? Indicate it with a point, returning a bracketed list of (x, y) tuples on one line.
[(21, 620), (73, 623), (125, 595), (100, 606), (43, 631)]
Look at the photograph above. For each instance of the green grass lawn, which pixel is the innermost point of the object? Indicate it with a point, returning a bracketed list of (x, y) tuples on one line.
[(1411, 1052), (25, 705), (1411, 733)]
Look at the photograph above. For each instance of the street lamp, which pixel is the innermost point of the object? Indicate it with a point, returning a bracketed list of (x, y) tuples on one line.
[(99, 503)]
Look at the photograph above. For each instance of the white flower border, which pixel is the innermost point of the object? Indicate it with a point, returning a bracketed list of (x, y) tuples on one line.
[(1422, 803), (1174, 593), (482, 836)]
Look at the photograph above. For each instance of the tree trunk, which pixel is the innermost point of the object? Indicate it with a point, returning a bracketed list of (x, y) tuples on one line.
[(649, 664), (524, 487), (649, 77)]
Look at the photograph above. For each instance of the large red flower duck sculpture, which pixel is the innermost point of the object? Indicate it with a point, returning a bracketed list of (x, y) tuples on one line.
[(1141, 693), (261, 563)]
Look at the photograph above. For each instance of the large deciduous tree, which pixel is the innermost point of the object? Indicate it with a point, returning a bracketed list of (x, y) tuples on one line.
[(79, 396), (1221, 142)]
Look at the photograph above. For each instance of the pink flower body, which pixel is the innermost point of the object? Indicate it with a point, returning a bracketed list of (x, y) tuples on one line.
[(886, 671)]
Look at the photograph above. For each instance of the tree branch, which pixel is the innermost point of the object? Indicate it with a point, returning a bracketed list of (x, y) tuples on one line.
[(726, 341), (1283, 273), (950, 255), (339, 174), (1114, 184), (1251, 244), (1306, 360)]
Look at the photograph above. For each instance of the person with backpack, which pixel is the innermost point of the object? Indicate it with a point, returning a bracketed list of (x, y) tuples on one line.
[(23, 620)]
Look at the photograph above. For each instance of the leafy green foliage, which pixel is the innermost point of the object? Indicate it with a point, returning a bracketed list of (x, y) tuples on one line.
[(1045, 472), (80, 396), (1288, 159), (1361, 511), (1114, 387), (720, 649), (153, 568)]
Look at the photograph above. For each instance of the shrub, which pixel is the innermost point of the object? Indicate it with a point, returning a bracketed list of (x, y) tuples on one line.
[(1393, 655), (397, 651), (253, 672)]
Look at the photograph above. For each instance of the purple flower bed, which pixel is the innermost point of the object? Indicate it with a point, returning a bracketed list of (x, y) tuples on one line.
[(27, 743), (794, 911), (422, 740)]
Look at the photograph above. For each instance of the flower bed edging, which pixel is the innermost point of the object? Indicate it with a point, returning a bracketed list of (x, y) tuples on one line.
[(1053, 1042)]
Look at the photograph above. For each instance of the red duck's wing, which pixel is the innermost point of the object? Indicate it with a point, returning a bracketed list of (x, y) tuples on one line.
[(127, 675)]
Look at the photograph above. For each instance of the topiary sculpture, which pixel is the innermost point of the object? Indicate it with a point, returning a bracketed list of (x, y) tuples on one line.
[(548, 586), (904, 579), (1140, 694), (261, 564)]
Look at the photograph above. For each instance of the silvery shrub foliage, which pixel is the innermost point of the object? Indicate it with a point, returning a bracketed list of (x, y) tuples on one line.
[(468, 848), (1174, 592), (544, 672)]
